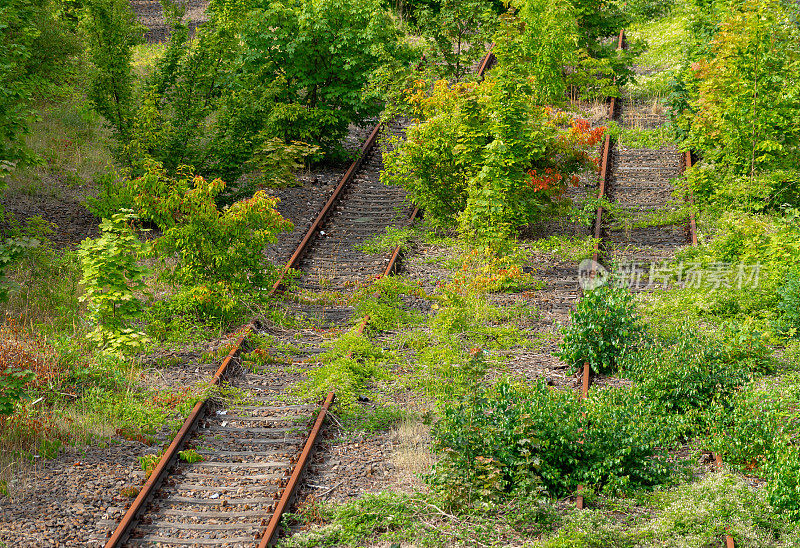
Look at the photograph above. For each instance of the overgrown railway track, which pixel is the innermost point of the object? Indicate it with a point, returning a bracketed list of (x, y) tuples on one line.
[(230, 473), (639, 180)]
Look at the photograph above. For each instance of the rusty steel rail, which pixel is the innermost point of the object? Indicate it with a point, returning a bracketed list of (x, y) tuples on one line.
[(288, 493), (598, 231), (326, 209), (606, 157), (168, 458), (687, 163)]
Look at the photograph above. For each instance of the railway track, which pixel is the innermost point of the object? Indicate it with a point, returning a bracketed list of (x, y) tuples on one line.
[(229, 473), (639, 180)]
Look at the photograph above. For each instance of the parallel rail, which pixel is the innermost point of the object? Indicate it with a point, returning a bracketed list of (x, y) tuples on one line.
[(122, 533)]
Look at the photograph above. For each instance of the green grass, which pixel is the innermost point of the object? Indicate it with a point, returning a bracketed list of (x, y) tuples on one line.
[(665, 38)]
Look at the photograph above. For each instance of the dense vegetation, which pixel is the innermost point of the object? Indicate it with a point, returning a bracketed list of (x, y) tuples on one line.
[(179, 147)]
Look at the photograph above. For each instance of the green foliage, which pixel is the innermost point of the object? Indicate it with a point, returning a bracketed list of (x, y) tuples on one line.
[(784, 481), (11, 251), (278, 162), (741, 105), (591, 79), (262, 85), (512, 160), (12, 387), (369, 419), (35, 43), (539, 45), (115, 194), (351, 524), (687, 375), (388, 241), (220, 247), (646, 10), (349, 368), (191, 456), (111, 30), (603, 328), (757, 425), (566, 248), (110, 276), (383, 302), (457, 34), (757, 433), (598, 20), (316, 60), (789, 303), (509, 441), (194, 310)]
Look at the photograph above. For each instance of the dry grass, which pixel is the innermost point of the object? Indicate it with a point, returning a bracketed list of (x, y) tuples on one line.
[(412, 456)]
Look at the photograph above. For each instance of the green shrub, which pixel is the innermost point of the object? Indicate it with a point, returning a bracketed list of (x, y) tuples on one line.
[(382, 301), (111, 275), (646, 10), (192, 311), (756, 426), (12, 386), (783, 486), (513, 159), (116, 193), (111, 31), (457, 34), (11, 251), (789, 303), (226, 247), (686, 375), (508, 441), (603, 328), (35, 45)]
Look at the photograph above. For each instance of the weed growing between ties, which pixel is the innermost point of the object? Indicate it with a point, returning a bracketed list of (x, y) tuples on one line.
[(351, 368)]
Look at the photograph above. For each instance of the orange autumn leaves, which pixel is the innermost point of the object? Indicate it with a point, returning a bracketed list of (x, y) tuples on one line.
[(580, 140)]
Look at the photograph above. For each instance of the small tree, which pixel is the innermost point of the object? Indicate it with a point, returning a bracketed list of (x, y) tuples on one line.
[(602, 329), (111, 31), (111, 274), (458, 34)]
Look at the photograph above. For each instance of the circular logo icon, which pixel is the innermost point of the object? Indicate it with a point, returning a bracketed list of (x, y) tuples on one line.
[(591, 274)]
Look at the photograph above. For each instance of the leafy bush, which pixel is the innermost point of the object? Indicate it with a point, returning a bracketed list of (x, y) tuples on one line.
[(686, 375), (783, 487), (602, 330), (111, 31), (457, 34), (512, 160), (35, 43), (757, 432), (116, 193), (221, 247), (191, 309), (12, 386), (508, 441), (111, 275), (756, 426), (789, 303), (741, 102), (258, 72), (11, 251), (383, 302), (647, 10)]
